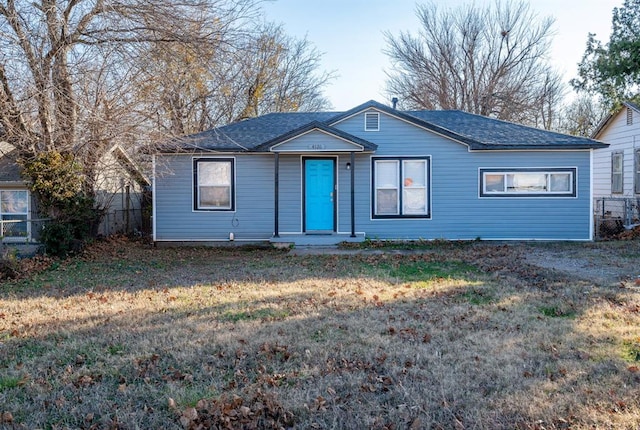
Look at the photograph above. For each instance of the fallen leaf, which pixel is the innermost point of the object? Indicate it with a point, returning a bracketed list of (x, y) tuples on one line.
[(7, 417)]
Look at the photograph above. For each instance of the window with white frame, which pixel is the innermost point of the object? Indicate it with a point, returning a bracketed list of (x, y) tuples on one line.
[(214, 184), (528, 182), (371, 121), (637, 171), (617, 173), (400, 187), (14, 211)]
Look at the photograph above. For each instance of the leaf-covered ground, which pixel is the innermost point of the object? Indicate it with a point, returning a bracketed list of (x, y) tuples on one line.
[(449, 335)]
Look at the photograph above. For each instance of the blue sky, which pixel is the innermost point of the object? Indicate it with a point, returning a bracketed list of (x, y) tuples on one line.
[(350, 34)]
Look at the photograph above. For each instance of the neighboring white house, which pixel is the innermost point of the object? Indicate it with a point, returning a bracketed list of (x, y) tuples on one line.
[(616, 169), (119, 190), (17, 206)]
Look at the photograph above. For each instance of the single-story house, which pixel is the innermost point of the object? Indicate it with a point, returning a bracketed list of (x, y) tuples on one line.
[(616, 169), (376, 172), (118, 189)]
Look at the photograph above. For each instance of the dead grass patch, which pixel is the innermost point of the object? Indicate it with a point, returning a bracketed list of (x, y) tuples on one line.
[(129, 336)]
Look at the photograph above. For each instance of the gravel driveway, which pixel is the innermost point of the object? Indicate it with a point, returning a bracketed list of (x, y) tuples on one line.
[(604, 263)]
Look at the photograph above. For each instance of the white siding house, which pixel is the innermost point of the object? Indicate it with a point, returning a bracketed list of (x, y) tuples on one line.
[(616, 169)]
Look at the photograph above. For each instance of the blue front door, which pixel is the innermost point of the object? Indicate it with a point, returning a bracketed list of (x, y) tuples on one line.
[(319, 183)]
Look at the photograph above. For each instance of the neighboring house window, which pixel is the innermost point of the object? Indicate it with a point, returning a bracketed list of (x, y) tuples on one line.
[(14, 211), (617, 172), (214, 184), (629, 116), (401, 187), (637, 171), (371, 121), (528, 182)]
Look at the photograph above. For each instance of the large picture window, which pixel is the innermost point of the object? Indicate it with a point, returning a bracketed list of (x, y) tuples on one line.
[(214, 184), (528, 182), (400, 187), (14, 211)]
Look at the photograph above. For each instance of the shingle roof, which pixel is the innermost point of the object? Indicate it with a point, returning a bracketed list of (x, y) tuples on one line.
[(9, 169), (487, 133), (476, 131), (250, 133)]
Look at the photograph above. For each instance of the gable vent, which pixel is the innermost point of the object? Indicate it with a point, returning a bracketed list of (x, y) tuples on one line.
[(371, 121), (629, 116)]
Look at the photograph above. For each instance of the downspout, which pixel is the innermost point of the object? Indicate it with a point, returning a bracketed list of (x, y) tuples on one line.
[(353, 195), (276, 232), (591, 214), (153, 198)]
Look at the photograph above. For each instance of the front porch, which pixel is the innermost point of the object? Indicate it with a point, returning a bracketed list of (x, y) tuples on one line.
[(315, 239)]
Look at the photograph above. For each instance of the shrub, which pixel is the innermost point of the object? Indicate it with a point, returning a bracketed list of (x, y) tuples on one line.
[(57, 180), (9, 267)]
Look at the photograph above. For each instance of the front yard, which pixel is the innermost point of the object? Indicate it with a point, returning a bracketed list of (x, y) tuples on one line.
[(457, 336)]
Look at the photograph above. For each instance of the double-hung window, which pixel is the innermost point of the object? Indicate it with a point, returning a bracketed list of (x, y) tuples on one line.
[(637, 171), (400, 187), (214, 184), (617, 173), (14, 211), (528, 182)]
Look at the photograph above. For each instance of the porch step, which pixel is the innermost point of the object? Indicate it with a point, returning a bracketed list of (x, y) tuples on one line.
[(315, 239)]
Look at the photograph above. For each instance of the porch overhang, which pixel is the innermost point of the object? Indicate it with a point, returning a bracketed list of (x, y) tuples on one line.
[(317, 137)]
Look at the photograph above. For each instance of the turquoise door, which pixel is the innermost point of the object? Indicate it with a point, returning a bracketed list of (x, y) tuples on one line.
[(319, 184)]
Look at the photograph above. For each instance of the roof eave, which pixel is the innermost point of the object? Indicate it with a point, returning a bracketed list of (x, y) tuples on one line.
[(551, 147)]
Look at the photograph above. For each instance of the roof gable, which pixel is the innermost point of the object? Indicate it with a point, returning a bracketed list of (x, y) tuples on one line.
[(609, 118), (305, 139)]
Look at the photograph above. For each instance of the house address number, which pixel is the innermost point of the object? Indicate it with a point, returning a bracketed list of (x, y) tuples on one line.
[(316, 146)]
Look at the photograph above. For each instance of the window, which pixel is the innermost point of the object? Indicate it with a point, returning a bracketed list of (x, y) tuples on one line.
[(14, 210), (637, 171), (401, 187), (528, 182), (617, 173), (371, 121), (214, 184)]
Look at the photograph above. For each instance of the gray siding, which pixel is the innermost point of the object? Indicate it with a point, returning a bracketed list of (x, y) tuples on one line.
[(175, 218), (621, 138), (457, 211), (316, 140)]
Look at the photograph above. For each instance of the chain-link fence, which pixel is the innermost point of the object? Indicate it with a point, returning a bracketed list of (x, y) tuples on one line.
[(615, 214)]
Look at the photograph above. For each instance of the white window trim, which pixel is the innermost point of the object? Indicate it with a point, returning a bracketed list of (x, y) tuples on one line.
[(28, 222), (400, 213), (195, 186), (571, 171), (621, 173), (377, 128), (636, 170)]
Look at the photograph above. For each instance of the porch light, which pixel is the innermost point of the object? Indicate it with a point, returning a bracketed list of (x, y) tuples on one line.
[(348, 166)]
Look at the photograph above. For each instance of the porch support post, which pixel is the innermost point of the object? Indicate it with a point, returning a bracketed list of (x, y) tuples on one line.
[(353, 195), (276, 232)]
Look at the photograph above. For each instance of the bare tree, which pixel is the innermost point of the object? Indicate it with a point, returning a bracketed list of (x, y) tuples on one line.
[(51, 47), (489, 61), (191, 88), (582, 116)]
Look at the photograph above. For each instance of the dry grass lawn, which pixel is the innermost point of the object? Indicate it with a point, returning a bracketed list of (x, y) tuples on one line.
[(451, 336)]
